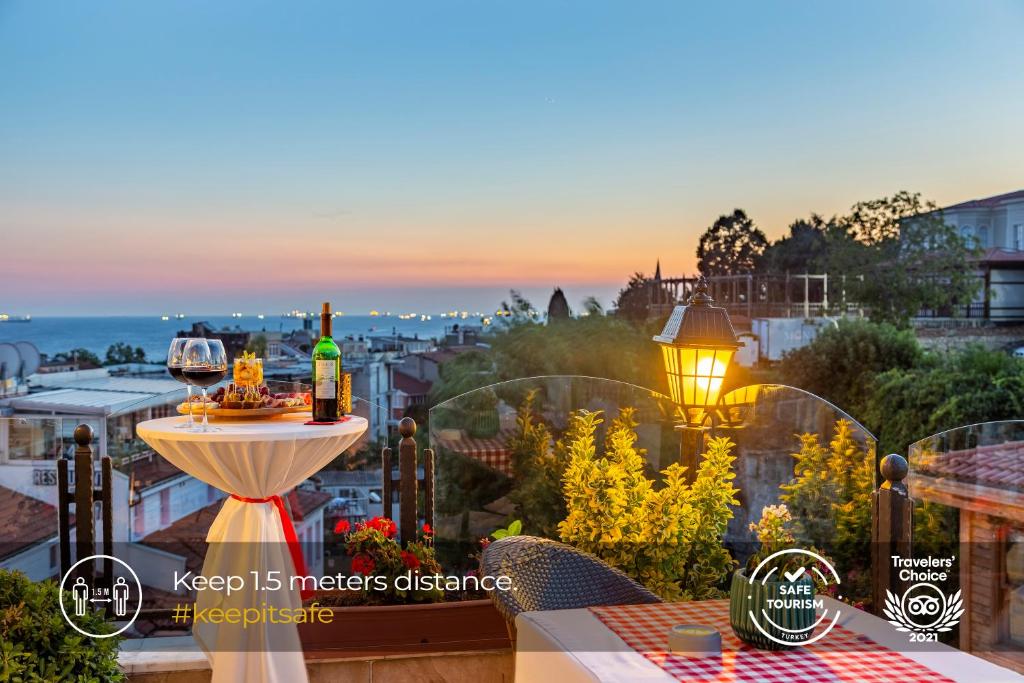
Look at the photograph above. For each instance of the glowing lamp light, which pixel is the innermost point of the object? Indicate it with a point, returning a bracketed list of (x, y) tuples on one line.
[(697, 345)]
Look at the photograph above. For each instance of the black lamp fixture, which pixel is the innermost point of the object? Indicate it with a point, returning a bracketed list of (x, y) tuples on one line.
[(697, 346)]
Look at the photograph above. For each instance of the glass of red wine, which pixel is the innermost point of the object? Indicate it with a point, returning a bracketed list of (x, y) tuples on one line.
[(205, 364), (176, 367)]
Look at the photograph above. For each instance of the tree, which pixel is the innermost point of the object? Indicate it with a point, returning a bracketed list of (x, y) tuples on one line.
[(943, 392), (558, 307), (80, 356), (841, 364), (803, 250), (594, 345), (592, 306), (123, 353), (731, 246), (635, 299), (519, 311), (257, 345), (897, 256), (878, 220)]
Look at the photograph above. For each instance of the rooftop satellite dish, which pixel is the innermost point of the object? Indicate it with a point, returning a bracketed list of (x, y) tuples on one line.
[(30, 358), (10, 362)]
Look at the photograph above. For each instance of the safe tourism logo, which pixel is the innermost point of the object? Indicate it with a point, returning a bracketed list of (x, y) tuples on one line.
[(923, 610)]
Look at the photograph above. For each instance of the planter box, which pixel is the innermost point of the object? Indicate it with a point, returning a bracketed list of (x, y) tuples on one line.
[(407, 629)]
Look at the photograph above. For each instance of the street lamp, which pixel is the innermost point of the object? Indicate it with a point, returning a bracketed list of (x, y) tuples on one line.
[(697, 345)]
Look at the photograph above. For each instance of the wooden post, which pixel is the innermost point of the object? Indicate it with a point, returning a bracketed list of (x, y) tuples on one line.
[(892, 528), (105, 494), (84, 531), (63, 516), (408, 485), (428, 486), (408, 482), (387, 494)]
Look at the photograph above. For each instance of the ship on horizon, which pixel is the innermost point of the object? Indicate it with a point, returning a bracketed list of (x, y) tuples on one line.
[(5, 318)]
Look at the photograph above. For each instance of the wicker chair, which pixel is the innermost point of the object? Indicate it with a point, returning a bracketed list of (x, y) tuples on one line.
[(548, 575)]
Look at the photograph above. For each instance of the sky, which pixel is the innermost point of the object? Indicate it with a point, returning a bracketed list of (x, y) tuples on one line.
[(223, 156)]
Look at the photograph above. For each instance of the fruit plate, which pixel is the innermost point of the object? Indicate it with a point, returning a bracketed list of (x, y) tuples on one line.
[(242, 413)]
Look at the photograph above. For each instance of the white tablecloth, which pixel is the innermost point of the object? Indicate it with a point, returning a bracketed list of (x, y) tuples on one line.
[(256, 459), (573, 646)]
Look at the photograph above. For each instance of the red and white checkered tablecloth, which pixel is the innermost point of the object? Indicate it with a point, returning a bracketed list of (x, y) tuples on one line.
[(492, 452), (840, 656)]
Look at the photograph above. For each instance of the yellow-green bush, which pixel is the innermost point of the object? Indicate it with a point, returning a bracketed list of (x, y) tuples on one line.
[(668, 538)]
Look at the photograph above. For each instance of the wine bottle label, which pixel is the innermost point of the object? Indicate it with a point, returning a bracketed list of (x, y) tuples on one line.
[(326, 378)]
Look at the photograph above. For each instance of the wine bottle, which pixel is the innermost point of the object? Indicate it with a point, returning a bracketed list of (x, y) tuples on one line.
[(326, 372)]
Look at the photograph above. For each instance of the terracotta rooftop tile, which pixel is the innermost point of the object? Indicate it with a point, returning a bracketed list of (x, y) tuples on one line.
[(24, 521)]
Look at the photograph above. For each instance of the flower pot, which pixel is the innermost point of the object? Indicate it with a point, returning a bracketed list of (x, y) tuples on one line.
[(760, 599), (407, 629)]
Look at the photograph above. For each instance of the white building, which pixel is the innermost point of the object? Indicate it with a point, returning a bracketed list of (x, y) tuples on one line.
[(993, 222), (996, 225)]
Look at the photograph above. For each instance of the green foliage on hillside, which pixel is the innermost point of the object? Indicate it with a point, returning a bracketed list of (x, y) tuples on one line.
[(901, 393), (841, 364), (945, 391), (593, 345)]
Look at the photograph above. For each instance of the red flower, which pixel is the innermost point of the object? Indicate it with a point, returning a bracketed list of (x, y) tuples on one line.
[(484, 542), (427, 531), (363, 564), (342, 526), (410, 560), (383, 525)]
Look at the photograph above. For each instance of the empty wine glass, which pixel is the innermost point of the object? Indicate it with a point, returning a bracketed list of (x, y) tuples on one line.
[(205, 364), (175, 366)]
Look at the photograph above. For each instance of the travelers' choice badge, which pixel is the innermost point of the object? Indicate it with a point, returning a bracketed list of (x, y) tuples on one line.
[(924, 610)]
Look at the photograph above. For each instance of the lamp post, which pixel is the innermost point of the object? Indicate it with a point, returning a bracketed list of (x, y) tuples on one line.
[(697, 345)]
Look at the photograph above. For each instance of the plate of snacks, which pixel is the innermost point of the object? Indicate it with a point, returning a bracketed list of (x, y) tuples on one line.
[(229, 402), (248, 395)]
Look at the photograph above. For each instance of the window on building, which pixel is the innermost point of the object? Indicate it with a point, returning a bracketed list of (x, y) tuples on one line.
[(983, 236), (967, 232), (54, 555), (1018, 236)]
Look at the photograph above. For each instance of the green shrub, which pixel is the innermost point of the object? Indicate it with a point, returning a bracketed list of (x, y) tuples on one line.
[(669, 538), (37, 644), (841, 364), (830, 500)]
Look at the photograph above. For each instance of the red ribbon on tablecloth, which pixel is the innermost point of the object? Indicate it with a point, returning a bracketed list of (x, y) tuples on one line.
[(289, 535)]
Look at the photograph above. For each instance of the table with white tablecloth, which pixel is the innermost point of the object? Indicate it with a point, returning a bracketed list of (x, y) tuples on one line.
[(255, 461), (575, 646)]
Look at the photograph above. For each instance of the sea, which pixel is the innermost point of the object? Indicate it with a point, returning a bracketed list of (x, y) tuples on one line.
[(52, 335)]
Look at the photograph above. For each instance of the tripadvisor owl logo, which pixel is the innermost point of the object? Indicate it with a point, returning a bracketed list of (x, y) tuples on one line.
[(923, 610)]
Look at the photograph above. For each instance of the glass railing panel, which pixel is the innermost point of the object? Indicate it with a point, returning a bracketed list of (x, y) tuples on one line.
[(967, 485), (503, 455)]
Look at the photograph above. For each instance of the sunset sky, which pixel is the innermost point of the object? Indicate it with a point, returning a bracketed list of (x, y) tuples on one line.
[(220, 156)]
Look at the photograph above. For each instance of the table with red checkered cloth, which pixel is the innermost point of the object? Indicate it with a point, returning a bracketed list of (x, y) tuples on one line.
[(842, 655), (576, 646), (492, 452)]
